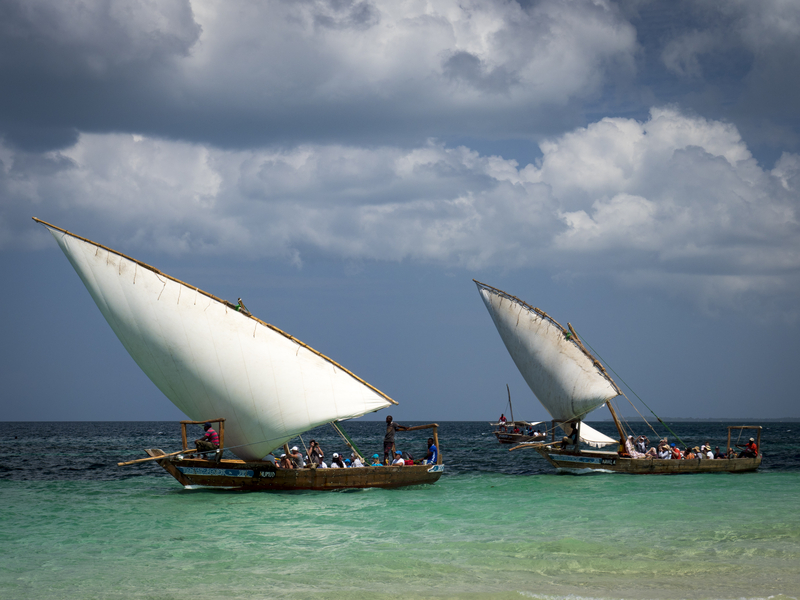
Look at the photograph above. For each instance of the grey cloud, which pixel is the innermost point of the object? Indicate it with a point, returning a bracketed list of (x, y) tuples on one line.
[(71, 65), (466, 67), (254, 73), (345, 14)]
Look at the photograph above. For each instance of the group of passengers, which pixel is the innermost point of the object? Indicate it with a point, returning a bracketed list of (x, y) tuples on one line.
[(316, 457), (528, 429), (638, 448)]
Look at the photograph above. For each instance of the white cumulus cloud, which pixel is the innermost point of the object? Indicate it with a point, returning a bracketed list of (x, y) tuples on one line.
[(675, 202)]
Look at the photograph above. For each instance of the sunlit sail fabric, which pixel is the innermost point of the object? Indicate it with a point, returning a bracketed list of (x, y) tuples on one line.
[(561, 374), (592, 437), (213, 361)]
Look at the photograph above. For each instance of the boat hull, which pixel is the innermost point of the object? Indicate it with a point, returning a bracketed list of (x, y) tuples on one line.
[(516, 438), (263, 476), (566, 461)]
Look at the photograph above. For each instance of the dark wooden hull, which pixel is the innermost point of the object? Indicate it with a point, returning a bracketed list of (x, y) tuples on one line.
[(516, 438), (263, 476), (567, 461)]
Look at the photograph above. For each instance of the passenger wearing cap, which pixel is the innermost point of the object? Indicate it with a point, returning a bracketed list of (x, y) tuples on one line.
[(336, 461), (676, 452), (750, 449), (376, 461), (631, 450), (664, 451), (718, 454), (297, 458), (398, 461), (209, 442), (286, 462)]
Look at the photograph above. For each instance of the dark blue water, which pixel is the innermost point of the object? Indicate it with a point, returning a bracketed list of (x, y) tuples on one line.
[(90, 450)]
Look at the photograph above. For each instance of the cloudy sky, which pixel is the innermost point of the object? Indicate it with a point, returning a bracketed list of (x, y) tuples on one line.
[(348, 167)]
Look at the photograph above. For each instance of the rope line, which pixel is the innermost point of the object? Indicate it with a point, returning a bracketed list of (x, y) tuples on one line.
[(635, 394)]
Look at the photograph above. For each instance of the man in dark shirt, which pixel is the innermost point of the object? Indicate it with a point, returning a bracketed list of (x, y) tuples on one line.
[(388, 439)]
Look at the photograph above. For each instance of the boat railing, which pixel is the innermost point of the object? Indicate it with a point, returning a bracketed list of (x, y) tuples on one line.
[(221, 426), (435, 427), (757, 428)]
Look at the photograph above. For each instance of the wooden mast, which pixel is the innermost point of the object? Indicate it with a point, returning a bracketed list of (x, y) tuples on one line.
[(617, 423)]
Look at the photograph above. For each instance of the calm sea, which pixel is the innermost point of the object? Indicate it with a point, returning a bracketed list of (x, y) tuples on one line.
[(497, 525)]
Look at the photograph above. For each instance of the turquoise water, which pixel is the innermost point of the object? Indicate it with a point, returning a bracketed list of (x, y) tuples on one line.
[(99, 531)]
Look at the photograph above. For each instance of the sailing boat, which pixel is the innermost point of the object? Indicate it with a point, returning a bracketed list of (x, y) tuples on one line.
[(570, 383), (513, 431), (218, 363)]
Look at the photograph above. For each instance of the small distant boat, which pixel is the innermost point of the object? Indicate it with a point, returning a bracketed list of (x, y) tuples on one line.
[(516, 432), (570, 383), (218, 363)]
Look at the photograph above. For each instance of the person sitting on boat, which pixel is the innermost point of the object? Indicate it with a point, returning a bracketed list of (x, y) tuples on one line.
[(664, 452), (688, 453), (750, 449), (630, 450), (297, 458), (356, 462), (718, 454), (433, 453), (376, 461), (322, 464), (676, 452), (336, 462), (286, 462), (388, 439), (209, 442), (315, 453), (398, 461)]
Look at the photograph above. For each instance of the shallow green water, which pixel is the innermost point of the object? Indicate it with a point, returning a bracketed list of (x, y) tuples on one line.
[(483, 536)]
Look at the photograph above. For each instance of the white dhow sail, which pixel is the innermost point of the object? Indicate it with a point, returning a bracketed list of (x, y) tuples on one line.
[(565, 378), (213, 361)]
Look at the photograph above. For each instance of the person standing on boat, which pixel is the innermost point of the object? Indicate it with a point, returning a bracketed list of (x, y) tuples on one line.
[(315, 453), (209, 442), (388, 439)]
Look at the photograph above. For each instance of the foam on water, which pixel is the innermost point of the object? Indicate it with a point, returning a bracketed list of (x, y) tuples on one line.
[(73, 530)]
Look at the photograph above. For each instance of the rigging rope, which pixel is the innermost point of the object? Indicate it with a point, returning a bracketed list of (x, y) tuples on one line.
[(348, 440), (635, 394)]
